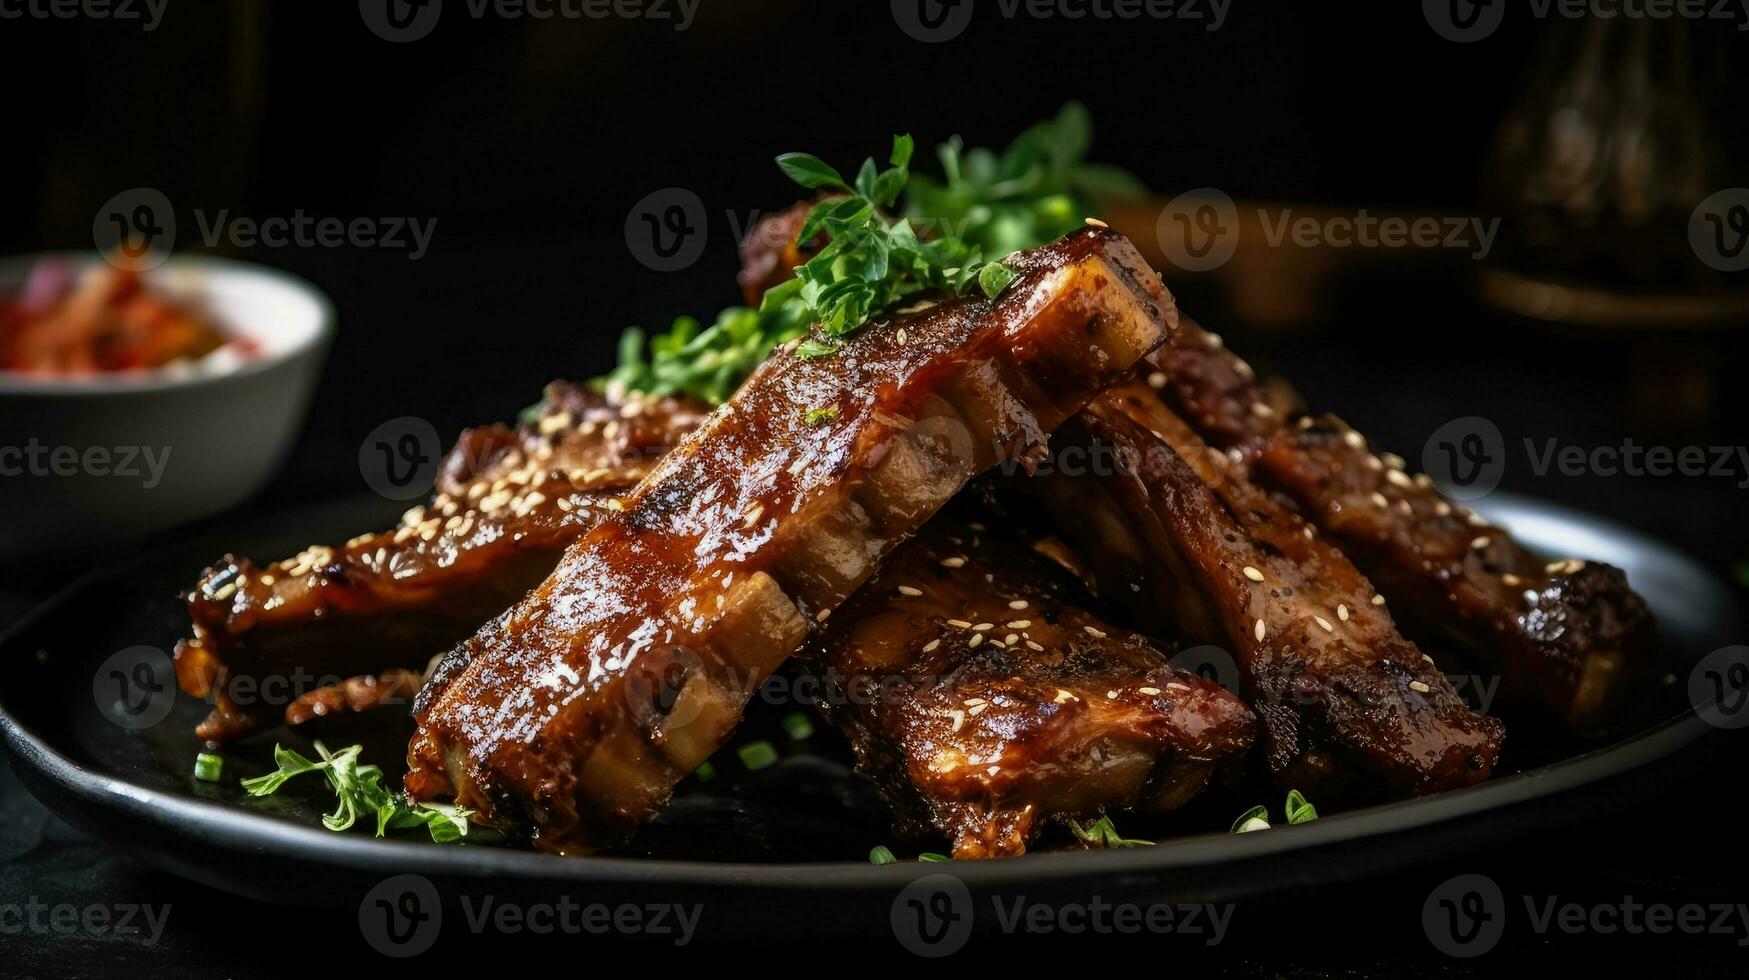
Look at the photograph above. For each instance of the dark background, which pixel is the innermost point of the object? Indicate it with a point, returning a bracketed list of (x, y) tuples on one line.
[(530, 142)]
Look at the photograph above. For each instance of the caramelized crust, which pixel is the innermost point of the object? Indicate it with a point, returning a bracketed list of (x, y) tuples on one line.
[(1569, 634), (1349, 708), (507, 503), (986, 703), (571, 716)]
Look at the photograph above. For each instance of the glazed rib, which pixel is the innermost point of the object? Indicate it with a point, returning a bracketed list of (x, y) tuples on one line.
[(507, 503), (1569, 634), (987, 703), (570, 717), (1347, 706)]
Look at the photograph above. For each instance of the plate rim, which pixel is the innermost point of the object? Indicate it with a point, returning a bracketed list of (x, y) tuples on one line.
[(225, 825)]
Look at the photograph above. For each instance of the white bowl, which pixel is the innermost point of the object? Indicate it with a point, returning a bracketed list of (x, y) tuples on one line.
[(105, 458)]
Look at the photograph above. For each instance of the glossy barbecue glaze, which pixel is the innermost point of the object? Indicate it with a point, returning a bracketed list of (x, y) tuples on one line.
[(1349, 708), (507, 503), (571, 716), (987, 703), (1569, 633)]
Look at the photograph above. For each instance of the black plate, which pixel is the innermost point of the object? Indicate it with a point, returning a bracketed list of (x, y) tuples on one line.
[(787, 840)]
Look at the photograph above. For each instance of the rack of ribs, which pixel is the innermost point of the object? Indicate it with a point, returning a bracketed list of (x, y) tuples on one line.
[(1568, 634), (570, 717), (986, 702), (507, 502), (1348, 708)]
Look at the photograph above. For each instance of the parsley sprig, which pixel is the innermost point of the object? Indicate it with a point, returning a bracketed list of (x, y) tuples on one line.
[(951, 232), (358, 791)]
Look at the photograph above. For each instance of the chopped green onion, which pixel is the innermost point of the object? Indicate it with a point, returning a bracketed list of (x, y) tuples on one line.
[(208, 767), (798, 726), (930, 857), (705, 771), (757, 755), (1103, 833), (881, 854), (1256, 818), (1299, 810), (994, 278)]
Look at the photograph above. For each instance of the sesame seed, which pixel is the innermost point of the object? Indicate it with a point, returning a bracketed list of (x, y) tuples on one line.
[(1354, 439), (1149, 691), (822, 614), (1477, 520), (1419, 686), (1258, 631), (911, 590), (959, 624), (1379, 501), (977, 638), (1096, 634), (931, 645), (1392, 460), (1442, 509), (1479, 542), (959, 719), (1018, 604), (1261, 410), (1019, 624), (1215, 341), (1511, 581), (1321, 621), (1095, 223), (1342, 612), (1157, 380), (983, 627), (1378, 600), (1030, 645), (900, 336), (1253, 574), (1398, 478), (957, 561)]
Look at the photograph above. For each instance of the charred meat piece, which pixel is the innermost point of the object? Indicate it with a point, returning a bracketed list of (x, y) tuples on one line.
[(1347, 706), (987, 703), (571, 716), (1569, 634), (508, 502)]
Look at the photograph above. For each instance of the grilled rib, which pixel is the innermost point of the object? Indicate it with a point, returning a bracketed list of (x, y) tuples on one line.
[(1569, 634), (507, 503), (1347, 706), (987, 703), (570, 717)]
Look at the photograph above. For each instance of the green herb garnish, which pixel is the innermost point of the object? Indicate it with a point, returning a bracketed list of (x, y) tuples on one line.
[(816, 417), (1256, 818), (881, 854), (757, 755), (1298, 809), (1103, 833), (358, 791), (705, 771), (798, 727), (930, 857), (208, 767), (987, 204)]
